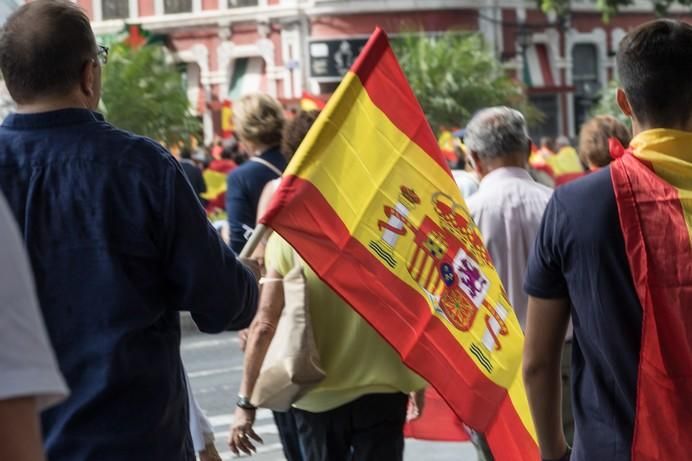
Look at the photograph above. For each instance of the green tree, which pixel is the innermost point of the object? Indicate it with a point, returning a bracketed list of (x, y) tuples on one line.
[(144, 94), (608, 106), (454, 74), (610, 7)]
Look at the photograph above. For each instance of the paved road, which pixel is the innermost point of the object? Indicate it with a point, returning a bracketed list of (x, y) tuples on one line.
[(214, 364)]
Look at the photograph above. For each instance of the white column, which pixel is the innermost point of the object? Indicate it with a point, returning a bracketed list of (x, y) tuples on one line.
[(97, 9), (158, 7), (134, 9), (197, 6)]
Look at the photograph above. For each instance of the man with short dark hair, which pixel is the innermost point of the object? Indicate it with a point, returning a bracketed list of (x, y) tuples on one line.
[(118, 243), (614, 251)]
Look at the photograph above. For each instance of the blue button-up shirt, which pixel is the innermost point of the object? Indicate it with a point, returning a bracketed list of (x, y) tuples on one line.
[(119, 244)]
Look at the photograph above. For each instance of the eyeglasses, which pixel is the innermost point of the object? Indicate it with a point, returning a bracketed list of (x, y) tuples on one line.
[(102, 54)]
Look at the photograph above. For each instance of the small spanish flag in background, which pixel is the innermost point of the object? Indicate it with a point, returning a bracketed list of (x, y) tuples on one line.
[(369, 202), (310, 102)]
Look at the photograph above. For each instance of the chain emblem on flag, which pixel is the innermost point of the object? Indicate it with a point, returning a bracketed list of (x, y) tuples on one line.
[(446, 261)]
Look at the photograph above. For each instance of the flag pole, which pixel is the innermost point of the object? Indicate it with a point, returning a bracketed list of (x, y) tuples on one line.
[(258, 234)]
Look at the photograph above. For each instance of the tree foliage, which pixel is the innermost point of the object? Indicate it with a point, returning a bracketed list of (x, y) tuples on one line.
[(453, 75), (608, 106), (144, 94), (610, 7)]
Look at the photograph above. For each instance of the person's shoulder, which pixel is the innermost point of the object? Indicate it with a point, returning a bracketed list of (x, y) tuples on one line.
[(134, 149), (588, 203), (594, 187)]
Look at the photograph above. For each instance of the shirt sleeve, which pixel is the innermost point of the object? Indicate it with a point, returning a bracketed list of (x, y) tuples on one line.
[(545, 272), (204, 275), (27, 363)]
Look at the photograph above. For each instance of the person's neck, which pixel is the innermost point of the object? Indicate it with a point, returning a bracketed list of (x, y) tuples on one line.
[(259, 150), (513, 161), (50, 105), (638, 127)]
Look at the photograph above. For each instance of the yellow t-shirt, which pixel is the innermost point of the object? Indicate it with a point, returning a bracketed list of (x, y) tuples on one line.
[(357, 361)]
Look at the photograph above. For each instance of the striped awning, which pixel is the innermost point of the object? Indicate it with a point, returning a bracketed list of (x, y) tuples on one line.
[(538, 72), (248, 76)]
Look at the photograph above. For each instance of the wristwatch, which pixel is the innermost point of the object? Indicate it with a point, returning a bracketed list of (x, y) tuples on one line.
[(244, 403)]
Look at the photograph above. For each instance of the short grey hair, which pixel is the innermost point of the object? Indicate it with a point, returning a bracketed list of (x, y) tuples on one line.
[(496, 132)]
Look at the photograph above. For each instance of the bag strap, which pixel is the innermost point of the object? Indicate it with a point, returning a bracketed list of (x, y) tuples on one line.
[(267, 164)]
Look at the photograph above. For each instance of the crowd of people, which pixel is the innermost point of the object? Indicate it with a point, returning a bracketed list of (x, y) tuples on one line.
[(105, 237)]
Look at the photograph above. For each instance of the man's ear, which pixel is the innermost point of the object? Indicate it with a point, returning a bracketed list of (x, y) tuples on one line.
[(88, 78), (623, 102), (476, 162)]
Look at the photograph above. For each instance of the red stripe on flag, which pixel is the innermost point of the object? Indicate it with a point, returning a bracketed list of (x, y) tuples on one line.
[(397, 311), (508, 436), (386, 84), (658, 248), (438, 422)]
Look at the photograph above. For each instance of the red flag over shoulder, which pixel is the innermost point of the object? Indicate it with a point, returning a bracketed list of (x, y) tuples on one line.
[(654, 198), (369, 203)]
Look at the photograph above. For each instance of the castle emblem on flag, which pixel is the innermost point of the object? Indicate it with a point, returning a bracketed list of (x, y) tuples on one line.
[(446, 259)]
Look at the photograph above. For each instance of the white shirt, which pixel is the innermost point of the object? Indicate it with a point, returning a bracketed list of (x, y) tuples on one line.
[(27, 362), (508, 209), (467, 183)]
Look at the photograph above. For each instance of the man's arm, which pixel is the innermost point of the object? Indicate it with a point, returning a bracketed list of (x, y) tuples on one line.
[(546, 325), (20, 436), (204, 275)]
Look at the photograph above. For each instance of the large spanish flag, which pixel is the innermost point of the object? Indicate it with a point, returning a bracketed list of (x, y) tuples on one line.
[(653, 189), (369, 203)]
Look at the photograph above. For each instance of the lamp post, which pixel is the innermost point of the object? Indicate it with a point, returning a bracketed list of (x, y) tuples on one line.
[(525, 41)]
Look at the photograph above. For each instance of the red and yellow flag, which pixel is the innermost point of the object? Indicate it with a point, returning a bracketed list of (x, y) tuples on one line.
[(369, 203), (310, 102), (227, 127), (653, 191)]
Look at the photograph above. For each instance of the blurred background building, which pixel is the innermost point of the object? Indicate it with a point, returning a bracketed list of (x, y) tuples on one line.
[(227, 48)]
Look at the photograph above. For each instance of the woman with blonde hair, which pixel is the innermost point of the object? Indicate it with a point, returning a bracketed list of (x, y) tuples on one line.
[(258, 120)]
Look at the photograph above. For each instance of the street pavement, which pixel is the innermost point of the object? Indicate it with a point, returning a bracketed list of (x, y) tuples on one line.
[(214, 364)]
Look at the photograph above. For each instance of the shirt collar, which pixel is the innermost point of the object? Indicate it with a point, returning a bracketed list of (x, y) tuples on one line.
[(57, 118), (506, 172)]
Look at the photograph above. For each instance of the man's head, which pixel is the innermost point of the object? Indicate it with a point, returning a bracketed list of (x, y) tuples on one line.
[(48, 56), (562, 141), (497, 137), (654, 63), (548, 143)]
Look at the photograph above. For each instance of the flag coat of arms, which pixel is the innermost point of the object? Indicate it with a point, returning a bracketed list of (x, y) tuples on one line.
[(369, 203)]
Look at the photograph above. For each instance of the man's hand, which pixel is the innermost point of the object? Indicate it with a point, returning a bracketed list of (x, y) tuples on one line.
[(209, 453), (242, 432), (416, 404), (242, 336)]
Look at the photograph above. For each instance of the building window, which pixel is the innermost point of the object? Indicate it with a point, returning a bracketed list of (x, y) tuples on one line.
[(547, 104), (587, 85), (177, 6), (115, 9), (242, 3)]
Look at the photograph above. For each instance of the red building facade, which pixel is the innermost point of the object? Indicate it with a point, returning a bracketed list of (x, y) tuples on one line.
[(285, 47)]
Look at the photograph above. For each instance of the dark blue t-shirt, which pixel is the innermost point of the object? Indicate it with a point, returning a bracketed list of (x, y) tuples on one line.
[(244, 187), (580, 254), (119, 244)]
